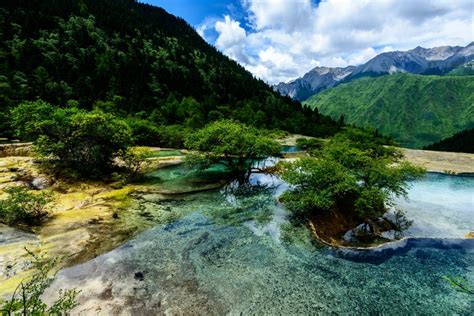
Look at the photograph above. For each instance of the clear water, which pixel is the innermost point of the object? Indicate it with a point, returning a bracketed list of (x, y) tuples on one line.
[(290, 149), (229, 255), (440, 206)]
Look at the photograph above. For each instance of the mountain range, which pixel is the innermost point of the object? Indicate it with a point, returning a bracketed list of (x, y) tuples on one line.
[(415, 110), (425, 61)]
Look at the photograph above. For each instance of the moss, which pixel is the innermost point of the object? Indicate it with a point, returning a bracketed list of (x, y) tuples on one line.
[(7, 286), (88, 219), (121, 194)]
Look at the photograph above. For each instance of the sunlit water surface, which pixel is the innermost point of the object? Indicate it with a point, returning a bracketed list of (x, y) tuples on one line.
[(440, 206), (229, 255)]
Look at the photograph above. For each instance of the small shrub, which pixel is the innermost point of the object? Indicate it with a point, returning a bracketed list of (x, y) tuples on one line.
[(135, 161), (401, 223), (309, 143), (24, 206), (26, 299)]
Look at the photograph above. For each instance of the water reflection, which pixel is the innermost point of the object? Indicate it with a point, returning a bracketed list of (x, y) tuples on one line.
[(195, 266), (225, 256)]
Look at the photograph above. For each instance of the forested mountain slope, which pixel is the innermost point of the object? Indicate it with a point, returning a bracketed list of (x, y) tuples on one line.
[(415, 110), (459, 142), (133, 60)]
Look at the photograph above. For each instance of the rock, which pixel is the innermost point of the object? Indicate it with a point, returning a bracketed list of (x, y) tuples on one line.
[(358, 234), (469, 235), (139, 276), (40, 183)]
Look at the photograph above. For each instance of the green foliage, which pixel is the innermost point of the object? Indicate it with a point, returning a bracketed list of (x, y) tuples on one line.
[(125, 57), (464, 70), (85, 142), (459, 142), (173, 136), (144, 132), (351, 172), (231, 143), (24, 206), (309, 143), (26, 300), (34, 118), (135, 161), (415, 110)]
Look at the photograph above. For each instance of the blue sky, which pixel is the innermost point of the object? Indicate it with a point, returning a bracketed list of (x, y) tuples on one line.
[(196, 11), (200, 12), (279, 40)]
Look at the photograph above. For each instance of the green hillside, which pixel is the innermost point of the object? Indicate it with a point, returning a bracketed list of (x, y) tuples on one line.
[(459, 142), (464, 70), (415, 110), (134, 60)]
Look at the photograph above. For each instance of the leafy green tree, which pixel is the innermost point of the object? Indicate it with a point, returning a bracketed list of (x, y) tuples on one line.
[(144, 132), (24, 206), (85, 142), (351, 173), (232, 144), (173, 136), (32, 119)]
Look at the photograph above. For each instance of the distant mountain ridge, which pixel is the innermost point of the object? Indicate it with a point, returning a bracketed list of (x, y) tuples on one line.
[(318, 79), (416, 110), (425, 61)]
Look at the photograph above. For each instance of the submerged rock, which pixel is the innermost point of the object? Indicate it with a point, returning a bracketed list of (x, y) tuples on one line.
[(40, 183), (469, 235)]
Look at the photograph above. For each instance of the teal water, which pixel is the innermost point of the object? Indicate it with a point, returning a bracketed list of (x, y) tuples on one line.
[(290, 149), (440, 206), (235, 254)]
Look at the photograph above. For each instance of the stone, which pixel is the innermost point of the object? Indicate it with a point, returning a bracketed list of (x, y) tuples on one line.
[(40, 183), (139, 276)]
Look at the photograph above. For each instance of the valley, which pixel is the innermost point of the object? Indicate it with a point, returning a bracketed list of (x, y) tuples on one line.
[(151, 163)]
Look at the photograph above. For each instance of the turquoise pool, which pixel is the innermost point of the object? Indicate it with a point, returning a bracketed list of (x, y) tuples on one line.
[(231, 255)]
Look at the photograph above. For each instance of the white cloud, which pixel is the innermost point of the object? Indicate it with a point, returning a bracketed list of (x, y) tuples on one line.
[(288, 15), (286, 38), (230, 33), (232, 39)]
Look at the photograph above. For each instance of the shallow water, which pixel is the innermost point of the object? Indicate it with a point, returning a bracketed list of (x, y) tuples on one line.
[(290, 149), (440, 206), (229, 255)]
